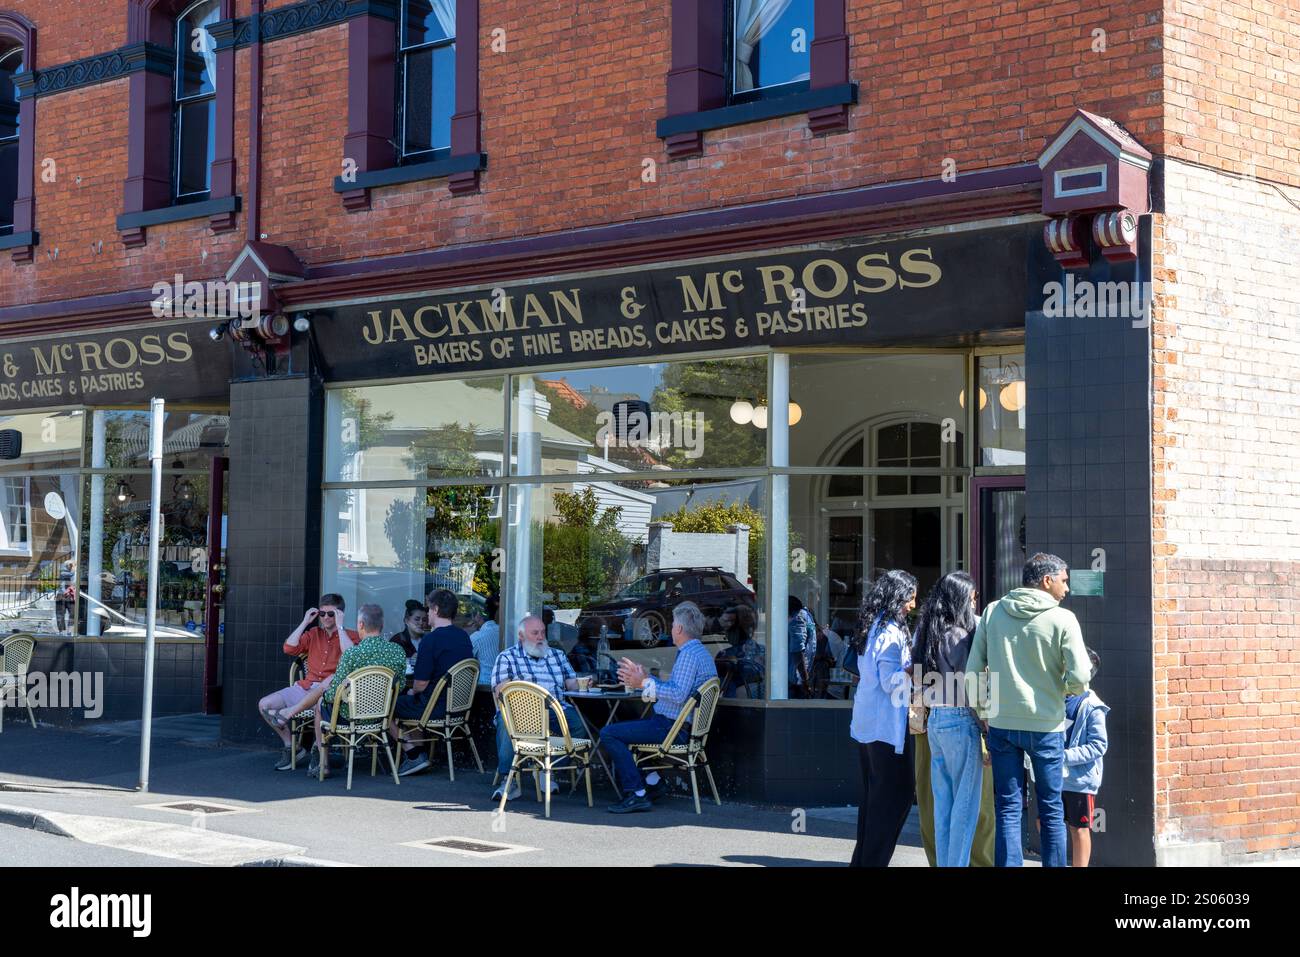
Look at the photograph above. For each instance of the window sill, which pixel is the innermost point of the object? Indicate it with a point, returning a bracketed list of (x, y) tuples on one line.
[(362, 183), (15, 240), (690, 126), (133, 225)]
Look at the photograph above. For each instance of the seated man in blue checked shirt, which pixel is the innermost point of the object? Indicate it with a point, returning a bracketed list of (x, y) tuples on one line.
[(693, 667), (532, 659)]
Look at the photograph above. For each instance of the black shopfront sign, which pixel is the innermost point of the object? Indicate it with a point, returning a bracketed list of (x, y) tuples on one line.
[(948, 288), (177, 362)]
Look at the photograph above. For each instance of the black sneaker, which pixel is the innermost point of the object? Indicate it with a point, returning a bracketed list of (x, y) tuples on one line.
[(630, 804), (657, 792)]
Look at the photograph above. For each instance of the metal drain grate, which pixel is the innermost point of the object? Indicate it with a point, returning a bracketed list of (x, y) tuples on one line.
[(469, 847), (472, 847), (193, 808)]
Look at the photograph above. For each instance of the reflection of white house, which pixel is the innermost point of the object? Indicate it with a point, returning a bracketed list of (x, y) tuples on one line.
[(410, 416)]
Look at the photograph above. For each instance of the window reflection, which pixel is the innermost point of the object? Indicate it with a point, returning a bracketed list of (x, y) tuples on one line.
[(665, 416), (1002, 409)]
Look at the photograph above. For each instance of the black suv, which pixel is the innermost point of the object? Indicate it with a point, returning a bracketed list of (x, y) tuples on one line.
[(640, 616)]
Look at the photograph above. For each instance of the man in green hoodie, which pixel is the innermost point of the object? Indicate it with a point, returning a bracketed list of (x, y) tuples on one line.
[(1034, 652)]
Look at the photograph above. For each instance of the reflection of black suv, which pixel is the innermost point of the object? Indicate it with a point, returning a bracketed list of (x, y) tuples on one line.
[(640, 616)]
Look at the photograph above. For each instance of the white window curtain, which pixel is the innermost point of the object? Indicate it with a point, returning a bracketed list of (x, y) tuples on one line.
[(754, 19), (445, 11)]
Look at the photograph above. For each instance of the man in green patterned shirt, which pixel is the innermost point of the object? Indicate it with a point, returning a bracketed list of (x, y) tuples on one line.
[(373, 649)]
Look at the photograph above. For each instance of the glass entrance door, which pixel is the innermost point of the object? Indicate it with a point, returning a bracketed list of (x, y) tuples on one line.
[(998, 534)]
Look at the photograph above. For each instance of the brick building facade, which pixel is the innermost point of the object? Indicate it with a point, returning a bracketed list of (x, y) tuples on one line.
[(598, 138)]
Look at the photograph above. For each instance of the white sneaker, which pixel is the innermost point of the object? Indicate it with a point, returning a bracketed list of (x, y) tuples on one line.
[(514, 791)]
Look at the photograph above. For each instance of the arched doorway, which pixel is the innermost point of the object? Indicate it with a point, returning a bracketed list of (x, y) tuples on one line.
[(912, 518)]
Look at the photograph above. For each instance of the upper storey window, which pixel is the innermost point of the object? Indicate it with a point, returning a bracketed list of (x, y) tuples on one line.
[(11, 64), (195, 112), (427, 62), (771, 42)]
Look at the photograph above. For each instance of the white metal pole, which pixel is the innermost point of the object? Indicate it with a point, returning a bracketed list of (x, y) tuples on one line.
[(778, 531), (95, 564), (155, 536)]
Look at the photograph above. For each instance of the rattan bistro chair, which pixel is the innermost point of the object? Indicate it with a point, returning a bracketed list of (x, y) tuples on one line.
[(669, 756), (15, 656), (458, 686), (303, 720), (525, 708), (370, 699)]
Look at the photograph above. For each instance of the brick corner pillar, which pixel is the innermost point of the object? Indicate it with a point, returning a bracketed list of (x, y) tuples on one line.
[(1088, 481), (273, 551)]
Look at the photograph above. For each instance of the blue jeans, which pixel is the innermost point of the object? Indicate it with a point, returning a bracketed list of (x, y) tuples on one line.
[(616, 738), (1046, 750), (506, 751), (956, 779)]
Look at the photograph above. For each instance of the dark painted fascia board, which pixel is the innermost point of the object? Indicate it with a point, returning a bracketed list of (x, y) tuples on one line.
[(237, 32), (100, 68)]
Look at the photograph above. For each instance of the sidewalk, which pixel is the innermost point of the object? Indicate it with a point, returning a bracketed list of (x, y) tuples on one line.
[(82, 784)]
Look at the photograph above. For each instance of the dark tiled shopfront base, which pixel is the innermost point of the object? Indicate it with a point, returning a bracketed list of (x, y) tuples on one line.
[(178, 677)]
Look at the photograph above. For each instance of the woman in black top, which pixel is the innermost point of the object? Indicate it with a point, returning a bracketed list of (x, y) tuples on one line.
[(417, 623)]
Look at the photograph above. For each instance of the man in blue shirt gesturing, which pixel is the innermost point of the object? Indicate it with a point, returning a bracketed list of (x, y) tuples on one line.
[(693, 667)]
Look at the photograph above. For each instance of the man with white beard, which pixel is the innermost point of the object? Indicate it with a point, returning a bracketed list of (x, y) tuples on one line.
[(532, 659)]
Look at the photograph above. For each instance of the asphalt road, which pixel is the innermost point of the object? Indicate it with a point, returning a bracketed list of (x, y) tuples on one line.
[(377, 823)]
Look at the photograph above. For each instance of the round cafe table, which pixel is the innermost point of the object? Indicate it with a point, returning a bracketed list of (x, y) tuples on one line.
[(613, 699)]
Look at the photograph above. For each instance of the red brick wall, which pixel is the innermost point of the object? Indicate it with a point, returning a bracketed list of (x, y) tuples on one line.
[(569, 115), (1232, 85), (1227, 682)]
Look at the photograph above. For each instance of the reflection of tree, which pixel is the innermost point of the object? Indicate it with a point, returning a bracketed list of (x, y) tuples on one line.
[(584, 551), (710, 388), (450, 522), (369, 427), (580, 420)]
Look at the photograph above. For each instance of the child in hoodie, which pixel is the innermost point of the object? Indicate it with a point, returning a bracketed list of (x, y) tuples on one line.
[(1085, 743)]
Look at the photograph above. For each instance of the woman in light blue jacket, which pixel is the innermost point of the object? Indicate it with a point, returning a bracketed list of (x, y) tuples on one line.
[(879, 722)]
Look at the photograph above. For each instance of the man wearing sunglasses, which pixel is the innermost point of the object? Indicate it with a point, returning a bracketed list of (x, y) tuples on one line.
[(322, 636)]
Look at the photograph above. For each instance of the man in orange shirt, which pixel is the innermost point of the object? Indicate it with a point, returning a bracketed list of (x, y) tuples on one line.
[(324, 645)]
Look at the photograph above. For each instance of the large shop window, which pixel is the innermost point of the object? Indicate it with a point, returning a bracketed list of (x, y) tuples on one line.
[(11, 64), (604, 497), (74, 523)]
